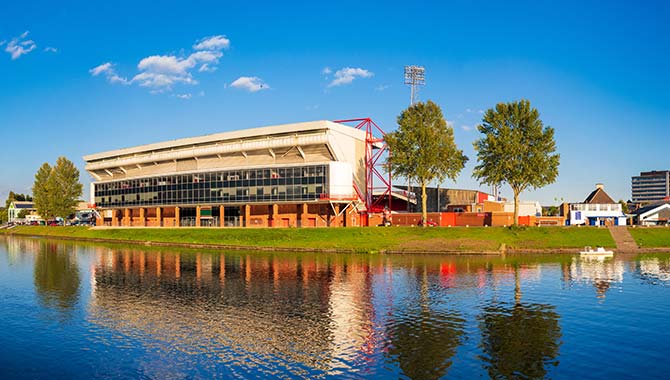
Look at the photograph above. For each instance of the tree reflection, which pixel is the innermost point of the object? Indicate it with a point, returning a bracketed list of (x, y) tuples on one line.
[(56, 277), (425, 338), (519, 341)]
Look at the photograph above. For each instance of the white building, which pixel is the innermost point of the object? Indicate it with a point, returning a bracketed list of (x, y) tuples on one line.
[(654, 214), (16, 207), (526, 208), (598, 209)]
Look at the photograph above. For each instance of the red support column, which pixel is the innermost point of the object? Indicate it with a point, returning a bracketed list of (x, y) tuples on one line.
[(275, 216)]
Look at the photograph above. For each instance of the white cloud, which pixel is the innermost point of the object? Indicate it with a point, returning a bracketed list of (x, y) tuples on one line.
[(160, 73), (107, 69), (212, 43), (466, 128), (382, 87), (184, 96), (165, 64), (19, 46), (50, 49), (326, 70), (206, 68), (251, 84), (104, 68), (161, 82), (347, 75)]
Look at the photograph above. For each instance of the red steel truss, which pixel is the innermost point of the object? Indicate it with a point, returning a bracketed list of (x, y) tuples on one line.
[(375, 147)]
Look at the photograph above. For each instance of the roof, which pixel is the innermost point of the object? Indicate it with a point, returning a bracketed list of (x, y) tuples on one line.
[(283, 129), (599, 196), (651, 207), (23, 204)]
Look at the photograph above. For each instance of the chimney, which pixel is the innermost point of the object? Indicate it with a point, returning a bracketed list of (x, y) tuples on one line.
[(599, 186)]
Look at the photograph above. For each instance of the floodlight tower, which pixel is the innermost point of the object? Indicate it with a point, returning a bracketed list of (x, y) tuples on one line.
[(414, 77)]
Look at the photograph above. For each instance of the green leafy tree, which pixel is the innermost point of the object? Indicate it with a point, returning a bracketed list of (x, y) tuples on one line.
[(57, 189), (68, 188), (624, 206), (17, 197), (4, 217), (23, 213), (516, 149), (43, 191), (423, 148)]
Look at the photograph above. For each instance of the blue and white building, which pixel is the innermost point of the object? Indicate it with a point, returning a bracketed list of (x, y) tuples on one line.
[(598, 209)]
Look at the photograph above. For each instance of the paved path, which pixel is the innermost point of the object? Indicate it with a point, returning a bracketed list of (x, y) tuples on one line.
[(624, 241)]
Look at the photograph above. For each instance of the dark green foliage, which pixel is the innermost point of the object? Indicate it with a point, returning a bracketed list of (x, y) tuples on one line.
[(516, 149), (423, 148), (57, 189), (17, 197)]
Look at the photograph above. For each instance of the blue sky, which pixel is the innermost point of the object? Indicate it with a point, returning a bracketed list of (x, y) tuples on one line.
[(80, 78)]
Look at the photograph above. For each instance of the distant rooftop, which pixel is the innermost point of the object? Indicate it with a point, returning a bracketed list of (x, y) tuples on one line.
[(653, 173), (23, 204), (599, 196)]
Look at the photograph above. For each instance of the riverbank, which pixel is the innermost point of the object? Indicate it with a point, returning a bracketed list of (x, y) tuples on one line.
[(651, 237), (486, 240)]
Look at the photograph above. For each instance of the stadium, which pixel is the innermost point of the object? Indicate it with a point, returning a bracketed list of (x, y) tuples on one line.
[(311, 174)]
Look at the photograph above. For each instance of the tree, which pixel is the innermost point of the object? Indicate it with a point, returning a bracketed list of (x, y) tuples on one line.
[(16, 197), (423, 148), (624, 206), (68, 188), (43, 191), (516, 149), (22, 214), (57, 189)]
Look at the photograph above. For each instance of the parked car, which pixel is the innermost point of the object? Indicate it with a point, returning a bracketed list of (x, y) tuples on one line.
[(429, 223)]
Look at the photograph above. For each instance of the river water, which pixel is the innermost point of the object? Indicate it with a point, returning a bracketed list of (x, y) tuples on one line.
[(83, 311)]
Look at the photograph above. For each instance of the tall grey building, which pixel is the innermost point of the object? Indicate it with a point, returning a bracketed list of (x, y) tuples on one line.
[(651, 186)]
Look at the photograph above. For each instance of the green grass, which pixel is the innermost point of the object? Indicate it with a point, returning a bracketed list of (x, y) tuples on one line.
[(651, 237), (354, 239)]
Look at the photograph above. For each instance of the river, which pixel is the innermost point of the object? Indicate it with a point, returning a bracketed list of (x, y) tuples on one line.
[(85, 311)]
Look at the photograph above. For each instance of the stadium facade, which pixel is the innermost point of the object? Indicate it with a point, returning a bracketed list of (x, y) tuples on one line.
[(310, 174)]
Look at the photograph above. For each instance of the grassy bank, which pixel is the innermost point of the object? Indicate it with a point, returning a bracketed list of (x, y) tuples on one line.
[(352, 239), (651, 237)]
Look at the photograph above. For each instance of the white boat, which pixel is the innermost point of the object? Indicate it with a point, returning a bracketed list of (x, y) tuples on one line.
[(599, 251)]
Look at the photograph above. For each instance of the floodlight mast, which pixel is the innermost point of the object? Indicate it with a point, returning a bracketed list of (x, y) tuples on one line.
[(415, 76)]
